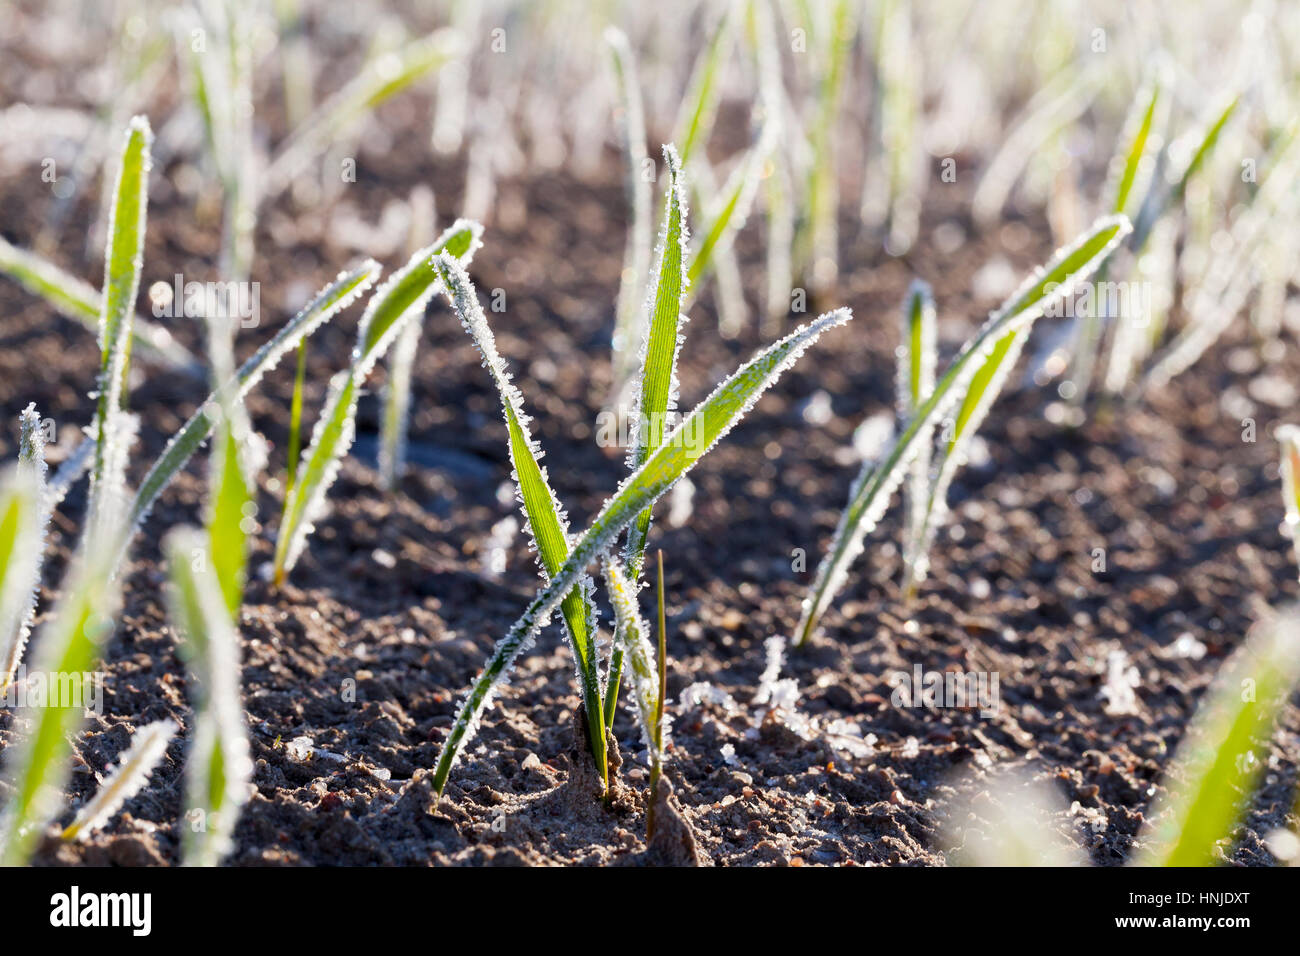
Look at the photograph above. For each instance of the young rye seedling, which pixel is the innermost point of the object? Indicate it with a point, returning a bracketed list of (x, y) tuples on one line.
[(974, 379), (1288, 436), (148, 747), (675, 456)]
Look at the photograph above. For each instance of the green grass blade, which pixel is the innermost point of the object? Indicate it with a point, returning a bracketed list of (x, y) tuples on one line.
[(148, 747), (630, 634), (1137, 145), (70, 643), (21, 547), (658, 392), (874, 486), (700, 105), (731, 209), (218, 767), (78, 300), (1223, 752), (917, 356), (335, 297), (1135, 156), (122, 267), (636, 256), (545, 518), (689, 442), (399, 300), (380, 80), (816, 251)]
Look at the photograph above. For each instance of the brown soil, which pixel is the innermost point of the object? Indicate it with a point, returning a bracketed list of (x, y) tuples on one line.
[(1187, 512)]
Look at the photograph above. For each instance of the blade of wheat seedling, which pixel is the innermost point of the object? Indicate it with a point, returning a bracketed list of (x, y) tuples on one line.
[(231, 478), (700, 105), (385, 77), (731, 207), (1223, 751), (218, 767), (123, 262), (77, 300), (630, 633), (546, 521), (997, 826), (399, 300), (916, 364), (1228, 283), (1053, 108), (401, 362), (816, 252), (690, 441), (1131, 168), (636, 255), (777, 191), (335, 297), (296, 68), (872, 490), (657, 395), (22, 520), (69, 646), (148, 747), (1288, 436), (295, 421)]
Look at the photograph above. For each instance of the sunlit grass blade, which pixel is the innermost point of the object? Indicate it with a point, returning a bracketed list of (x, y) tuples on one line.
[(630, 635), (78, 300), (680, 451), (399, 300), (218, 767), (1288, 437), (636, 256), (69, 646), (1226, 286), (336, 296), (385, 77), (917, 356), (148, 747), (21, 546), (546, 521), (816, 252), (122, 267), (401, 360), (1131, 171), (700, 104), (731, 207), (1224, 750), (1005, 822), (872, 491), (657, 397)]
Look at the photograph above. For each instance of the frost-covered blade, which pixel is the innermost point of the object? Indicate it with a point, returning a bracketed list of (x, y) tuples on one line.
[(148, 747), (123, 262), (78, 300), (1223, 752), (22, 532), (917, 358), (69, 644), (401, 299), (545, 519), (218, 767), (680, 451), (872, 491), (636, 256), (1288, 437)]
